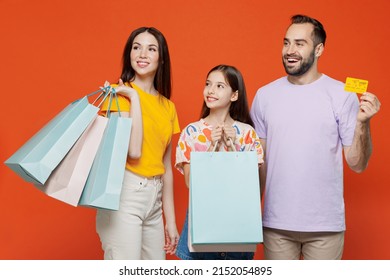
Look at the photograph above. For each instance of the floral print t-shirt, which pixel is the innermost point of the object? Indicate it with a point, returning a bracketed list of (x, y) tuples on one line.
[(196, 137)]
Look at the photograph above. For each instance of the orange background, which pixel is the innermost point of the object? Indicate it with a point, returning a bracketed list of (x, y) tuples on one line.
[(54, 51)]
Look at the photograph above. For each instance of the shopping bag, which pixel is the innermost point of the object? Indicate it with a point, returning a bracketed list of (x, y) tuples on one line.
[(104, 183), (67, 181), (225, 198), (41, 154), (233, 247)]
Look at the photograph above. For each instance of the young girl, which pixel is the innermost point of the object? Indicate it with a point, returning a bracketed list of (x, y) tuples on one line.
[(136, 230), (224, 121)]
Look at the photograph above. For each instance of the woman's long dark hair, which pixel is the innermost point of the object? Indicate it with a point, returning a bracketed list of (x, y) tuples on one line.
[(162, 80), (239, 109)]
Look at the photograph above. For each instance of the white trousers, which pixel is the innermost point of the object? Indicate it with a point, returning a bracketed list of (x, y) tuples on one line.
[(136, 230)]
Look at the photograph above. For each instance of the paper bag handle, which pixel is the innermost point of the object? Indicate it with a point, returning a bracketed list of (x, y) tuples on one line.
[(104, 92), (101, 91), (231, 143), (111, 92)]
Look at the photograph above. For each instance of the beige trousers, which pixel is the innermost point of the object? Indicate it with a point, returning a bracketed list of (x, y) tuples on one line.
[(136, 230), (293, 245)]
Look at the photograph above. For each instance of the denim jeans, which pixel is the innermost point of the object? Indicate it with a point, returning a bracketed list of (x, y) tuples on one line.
[(184, 253)]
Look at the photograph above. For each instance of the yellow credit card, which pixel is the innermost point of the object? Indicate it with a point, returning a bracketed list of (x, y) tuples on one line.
[(356, 85)]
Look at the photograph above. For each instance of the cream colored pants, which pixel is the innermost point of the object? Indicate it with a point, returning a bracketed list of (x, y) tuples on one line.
[(136, 230), (294, 245)]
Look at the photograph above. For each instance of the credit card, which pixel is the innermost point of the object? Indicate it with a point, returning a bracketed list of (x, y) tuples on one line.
[(356, 85)]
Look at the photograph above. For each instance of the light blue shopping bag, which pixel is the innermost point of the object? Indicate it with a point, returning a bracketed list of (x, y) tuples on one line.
[(67, 181), (104, 183), (41, 154), (225, 198)]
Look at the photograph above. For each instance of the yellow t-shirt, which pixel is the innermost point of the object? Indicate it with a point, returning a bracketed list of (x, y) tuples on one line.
[(160, 122)]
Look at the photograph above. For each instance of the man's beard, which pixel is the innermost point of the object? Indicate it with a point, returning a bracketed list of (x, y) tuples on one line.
[(303, 68)]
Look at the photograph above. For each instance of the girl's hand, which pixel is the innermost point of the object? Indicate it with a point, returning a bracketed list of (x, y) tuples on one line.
[(229, 132), (216, 137), (171, 239)]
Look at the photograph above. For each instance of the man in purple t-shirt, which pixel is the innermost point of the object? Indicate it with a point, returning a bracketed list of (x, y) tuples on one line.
[(306, 121)]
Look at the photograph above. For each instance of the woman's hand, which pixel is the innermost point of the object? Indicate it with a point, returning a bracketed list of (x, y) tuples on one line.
[(123, 89), (126, 90), (171, 239)]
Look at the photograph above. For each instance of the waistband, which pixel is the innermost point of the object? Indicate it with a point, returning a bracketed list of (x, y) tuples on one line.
[(152, 178)]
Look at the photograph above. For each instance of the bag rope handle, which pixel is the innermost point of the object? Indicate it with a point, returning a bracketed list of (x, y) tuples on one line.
[(104, 92), (231, 144)]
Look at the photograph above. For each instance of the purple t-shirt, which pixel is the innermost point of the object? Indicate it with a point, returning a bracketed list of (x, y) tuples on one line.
[(305, 128)]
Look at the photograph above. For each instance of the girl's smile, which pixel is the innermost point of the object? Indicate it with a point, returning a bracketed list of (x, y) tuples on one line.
[(217, 92)]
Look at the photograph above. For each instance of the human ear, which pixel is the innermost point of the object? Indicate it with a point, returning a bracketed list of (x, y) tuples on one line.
[(234, 96), (319, 49)]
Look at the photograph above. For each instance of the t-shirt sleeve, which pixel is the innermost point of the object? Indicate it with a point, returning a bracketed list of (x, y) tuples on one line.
[(123, 102), (257, 116), (257, 147), (347, 119), (183, 151), (175, 120), (252, 143)]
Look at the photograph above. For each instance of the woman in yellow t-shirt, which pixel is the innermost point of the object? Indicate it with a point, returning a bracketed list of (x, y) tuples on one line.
[(136, 230)]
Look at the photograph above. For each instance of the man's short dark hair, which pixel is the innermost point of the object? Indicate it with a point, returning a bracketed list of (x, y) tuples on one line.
[(319, 34)]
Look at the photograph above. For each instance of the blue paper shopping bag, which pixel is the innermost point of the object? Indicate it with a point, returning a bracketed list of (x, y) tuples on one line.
[(218, 247), (225, 198), (41, 154), (67, 181), (104, 183)]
